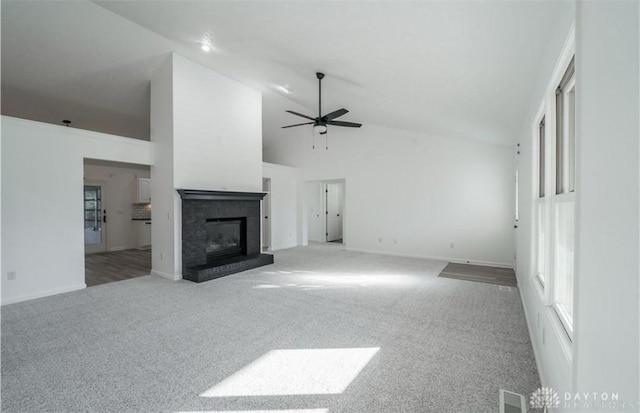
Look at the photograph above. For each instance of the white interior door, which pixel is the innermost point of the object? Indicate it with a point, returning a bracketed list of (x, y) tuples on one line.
[(266, 215), (334, 199), (315, 211), (95, 217)]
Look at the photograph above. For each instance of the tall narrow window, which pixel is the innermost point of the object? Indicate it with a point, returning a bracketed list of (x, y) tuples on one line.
[(565, 131), (541, 159), (563, 201), (541, 218)]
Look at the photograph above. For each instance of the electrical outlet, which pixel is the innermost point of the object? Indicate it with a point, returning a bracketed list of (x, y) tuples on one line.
[(161, 256), (11, 275), (379, 240), (452, 245), (395, 241)]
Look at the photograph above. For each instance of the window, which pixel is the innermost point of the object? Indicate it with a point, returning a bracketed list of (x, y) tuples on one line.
[(542, 242), (564, 200), (541, 158), (565, 131), (541, 222), (554, 199)]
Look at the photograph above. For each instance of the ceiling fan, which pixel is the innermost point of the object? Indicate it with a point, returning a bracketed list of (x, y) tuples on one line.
[(320, 122)]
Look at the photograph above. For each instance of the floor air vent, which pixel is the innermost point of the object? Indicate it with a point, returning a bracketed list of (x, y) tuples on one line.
[(512, 402)]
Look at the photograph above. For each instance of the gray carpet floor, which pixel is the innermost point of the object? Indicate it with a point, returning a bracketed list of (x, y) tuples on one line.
[(379, 334)]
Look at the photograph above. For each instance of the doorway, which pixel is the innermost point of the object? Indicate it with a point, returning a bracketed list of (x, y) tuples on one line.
[(94, 218), (117, 221), (334, 205), (325, 203), (266, 213)]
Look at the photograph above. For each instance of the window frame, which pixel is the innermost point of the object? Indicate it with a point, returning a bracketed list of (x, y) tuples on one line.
[(550, 136), (564, 193), (564, 153), (540, 201)]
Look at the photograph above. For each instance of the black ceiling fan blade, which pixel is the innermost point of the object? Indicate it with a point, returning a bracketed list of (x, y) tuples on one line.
[(298, 124), (335, 114), (300, 114), (341, 123)]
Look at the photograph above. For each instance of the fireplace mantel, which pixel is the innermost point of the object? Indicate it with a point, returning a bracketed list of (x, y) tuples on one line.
[(205, 195)]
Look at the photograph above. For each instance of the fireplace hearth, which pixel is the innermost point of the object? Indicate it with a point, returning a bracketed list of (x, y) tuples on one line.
[(220, 233)]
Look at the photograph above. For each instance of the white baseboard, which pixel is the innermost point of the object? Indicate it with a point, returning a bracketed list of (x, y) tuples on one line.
[(534, 342), (172, 277), (283, 247), (33, 296), (112, 249), (429, 257)]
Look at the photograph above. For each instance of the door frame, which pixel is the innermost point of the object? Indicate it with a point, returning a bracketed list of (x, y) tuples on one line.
[(102, 247), (323, 210), (325, 194), (265, 220)]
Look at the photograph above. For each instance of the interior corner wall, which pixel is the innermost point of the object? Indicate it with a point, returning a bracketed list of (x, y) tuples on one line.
[(604, 354), (207, 130), (607, 195), (548, 340), (411, 193), (164, 198), (284, 205), (42, 235)]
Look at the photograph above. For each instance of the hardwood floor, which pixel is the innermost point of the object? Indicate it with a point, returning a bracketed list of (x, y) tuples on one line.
[(106, 267), (479, 273)]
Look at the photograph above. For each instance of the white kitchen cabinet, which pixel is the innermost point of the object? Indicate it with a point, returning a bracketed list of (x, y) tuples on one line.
[(144, 234), (143, 190)]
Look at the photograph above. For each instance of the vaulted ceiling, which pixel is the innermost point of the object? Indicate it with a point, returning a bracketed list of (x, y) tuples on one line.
[(464, 68)]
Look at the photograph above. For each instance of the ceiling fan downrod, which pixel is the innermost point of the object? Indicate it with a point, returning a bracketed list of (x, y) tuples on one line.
[(320, 76)]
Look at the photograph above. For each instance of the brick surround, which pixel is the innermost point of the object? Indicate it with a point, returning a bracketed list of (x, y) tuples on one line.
[(197, 207)]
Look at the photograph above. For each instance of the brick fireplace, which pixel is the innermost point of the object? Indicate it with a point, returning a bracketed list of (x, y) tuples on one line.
[(220, 233)]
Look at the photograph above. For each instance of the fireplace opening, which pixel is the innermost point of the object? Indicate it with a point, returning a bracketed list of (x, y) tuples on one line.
[(226, 237)]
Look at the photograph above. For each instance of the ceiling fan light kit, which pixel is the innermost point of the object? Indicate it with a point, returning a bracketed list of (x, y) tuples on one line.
[(320, 129), (321, 122)]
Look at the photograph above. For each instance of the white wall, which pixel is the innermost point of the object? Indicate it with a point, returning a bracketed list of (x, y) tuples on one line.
[(165, 198), (217, 125), (607, 111), (42, 235), (120, 185), (207, 130), (423, 191), (284, 205), (550, 344), (604, 354)]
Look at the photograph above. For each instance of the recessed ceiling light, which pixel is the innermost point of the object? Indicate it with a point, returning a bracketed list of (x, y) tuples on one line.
[(283, 89), (206, 47)]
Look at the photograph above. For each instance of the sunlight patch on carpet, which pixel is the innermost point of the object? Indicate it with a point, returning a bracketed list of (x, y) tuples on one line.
[(296, 372), (263, 411)]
